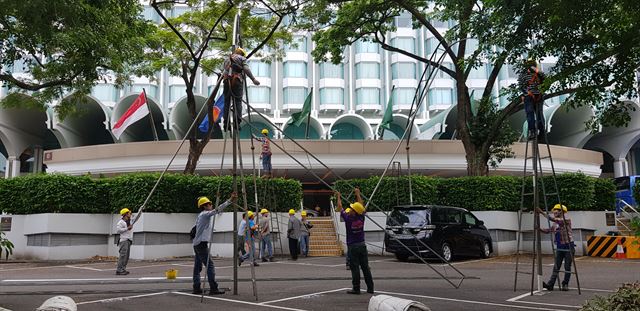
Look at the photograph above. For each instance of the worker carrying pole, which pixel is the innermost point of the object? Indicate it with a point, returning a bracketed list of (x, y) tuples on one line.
[(234, 67), (529, 81)]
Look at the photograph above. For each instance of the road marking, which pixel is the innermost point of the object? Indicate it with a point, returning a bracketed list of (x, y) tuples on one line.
[(304, 296), (549, 304), (472, 301), (238, 301), (120, 298), (522, 296), (85, 268)]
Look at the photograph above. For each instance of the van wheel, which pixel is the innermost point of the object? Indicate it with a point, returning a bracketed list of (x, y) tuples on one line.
[(402, 257), (447, 253), (486, 249)]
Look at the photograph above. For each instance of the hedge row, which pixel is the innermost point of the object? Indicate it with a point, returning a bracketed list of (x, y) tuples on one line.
[(176, 193), (503, 193)]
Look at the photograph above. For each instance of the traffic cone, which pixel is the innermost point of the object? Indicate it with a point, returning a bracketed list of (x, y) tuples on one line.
[(620, 251)]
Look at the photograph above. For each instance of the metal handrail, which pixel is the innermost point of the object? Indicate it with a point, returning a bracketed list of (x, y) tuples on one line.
[(335, 223), (629, 206)]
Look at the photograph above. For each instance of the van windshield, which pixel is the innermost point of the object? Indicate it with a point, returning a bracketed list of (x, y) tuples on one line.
[(409, 218)]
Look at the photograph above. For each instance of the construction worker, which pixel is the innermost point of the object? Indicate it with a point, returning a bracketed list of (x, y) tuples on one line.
[(265, 155), (124, 228), (356, 247), (266, 249), (293, 234), (529, 80), (248, 229), (234, 68), (565, 247), (304, 234), (201, 243)]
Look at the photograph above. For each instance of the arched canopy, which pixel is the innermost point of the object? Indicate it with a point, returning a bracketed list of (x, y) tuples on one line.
[(88, 125), (257, 124), (316, 131), (617, 141), (181, 118), (398, 126), (141, 130), (566, 126), (350, 126)]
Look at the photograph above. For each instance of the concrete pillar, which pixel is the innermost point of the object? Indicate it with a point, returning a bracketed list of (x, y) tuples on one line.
[(620, 168), (38, 154), (13, 167)]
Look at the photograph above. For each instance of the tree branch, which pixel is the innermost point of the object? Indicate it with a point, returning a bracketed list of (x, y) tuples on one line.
[(416, 57), (577, 89), (203, 47), (35, 87), (418, 16), (154, 5), (273, 30)]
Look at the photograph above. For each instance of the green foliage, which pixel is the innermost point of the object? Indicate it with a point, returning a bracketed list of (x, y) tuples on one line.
[(69, 45), (596, 67), (176, 193), (6, 246), (392, 191), (480, 193), (604, 194), (625, 298)]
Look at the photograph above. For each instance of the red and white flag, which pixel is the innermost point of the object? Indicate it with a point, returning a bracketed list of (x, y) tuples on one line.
[(137, 111)]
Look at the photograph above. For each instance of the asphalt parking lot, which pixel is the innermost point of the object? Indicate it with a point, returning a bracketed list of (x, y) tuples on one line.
[(307, 284)]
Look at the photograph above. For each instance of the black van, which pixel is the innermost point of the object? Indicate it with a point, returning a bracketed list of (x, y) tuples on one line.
[(450, 231)]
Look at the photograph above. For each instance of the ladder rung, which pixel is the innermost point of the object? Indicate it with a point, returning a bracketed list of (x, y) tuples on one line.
[(524, 272), (527, 193), (552, 193)]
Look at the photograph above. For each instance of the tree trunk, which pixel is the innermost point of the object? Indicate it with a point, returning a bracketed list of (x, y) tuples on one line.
[(195, 151), (476, 161), (477, 164)]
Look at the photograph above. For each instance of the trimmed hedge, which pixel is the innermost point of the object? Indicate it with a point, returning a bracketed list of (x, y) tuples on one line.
[(176, 193), (501, 193)]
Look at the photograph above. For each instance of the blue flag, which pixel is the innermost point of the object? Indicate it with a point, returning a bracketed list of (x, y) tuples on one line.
[(218, 107)]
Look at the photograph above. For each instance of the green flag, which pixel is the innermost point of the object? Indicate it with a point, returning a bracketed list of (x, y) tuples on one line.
[(299, 117), (387, 119)]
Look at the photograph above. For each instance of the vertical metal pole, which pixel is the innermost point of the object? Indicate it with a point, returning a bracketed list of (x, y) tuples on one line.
[(409, 172), (536, 215), (234, 137), (153, 123)]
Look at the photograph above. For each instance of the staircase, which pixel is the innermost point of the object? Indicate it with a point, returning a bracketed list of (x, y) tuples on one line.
[(624, 226), (323, 240), (625, 213)]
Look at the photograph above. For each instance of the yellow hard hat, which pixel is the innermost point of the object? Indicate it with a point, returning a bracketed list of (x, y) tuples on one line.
[(124, 211), (304, 213), (560, 207), (265, 132), (203, 201), (250, 214), (240, 51), (357, 207), (291, 212), (263, 211), (348, 210)]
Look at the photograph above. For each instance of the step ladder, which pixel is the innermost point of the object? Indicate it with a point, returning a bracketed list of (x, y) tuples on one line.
[(538, 191), (269, 202)]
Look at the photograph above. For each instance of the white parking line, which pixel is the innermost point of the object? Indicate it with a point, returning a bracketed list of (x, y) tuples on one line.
[(85, 268), (304, 296), (120, 298), (472, 301), (239, 301), (549, 304)]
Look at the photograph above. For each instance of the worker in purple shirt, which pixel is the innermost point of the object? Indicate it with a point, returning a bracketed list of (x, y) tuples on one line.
[(357, 249)]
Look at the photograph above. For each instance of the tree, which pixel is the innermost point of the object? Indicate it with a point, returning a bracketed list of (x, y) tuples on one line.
[(595, 42), (200, 40), (67, 46)]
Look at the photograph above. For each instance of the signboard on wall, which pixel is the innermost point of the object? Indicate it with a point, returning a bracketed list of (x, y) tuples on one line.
[(5, 224)]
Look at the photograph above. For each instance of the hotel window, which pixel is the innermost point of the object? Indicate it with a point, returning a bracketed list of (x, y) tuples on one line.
[(105, 92), (403, 71), (298, 44), (295, 70), (368, 96), (331, 96), (479, 72), (367, 47), (176, 92), (440, 96), (329, 70), (406, 44), (403, 96), (366, 70), (294, 95), (260, 69), (259, 94)]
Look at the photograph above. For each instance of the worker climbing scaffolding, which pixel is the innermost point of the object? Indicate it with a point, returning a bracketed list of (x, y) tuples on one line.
[(530, 80), (265, 154), (234, 68)]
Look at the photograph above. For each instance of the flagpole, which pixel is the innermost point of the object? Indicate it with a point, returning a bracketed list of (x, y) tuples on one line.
[(153, 124), (306, 131)]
